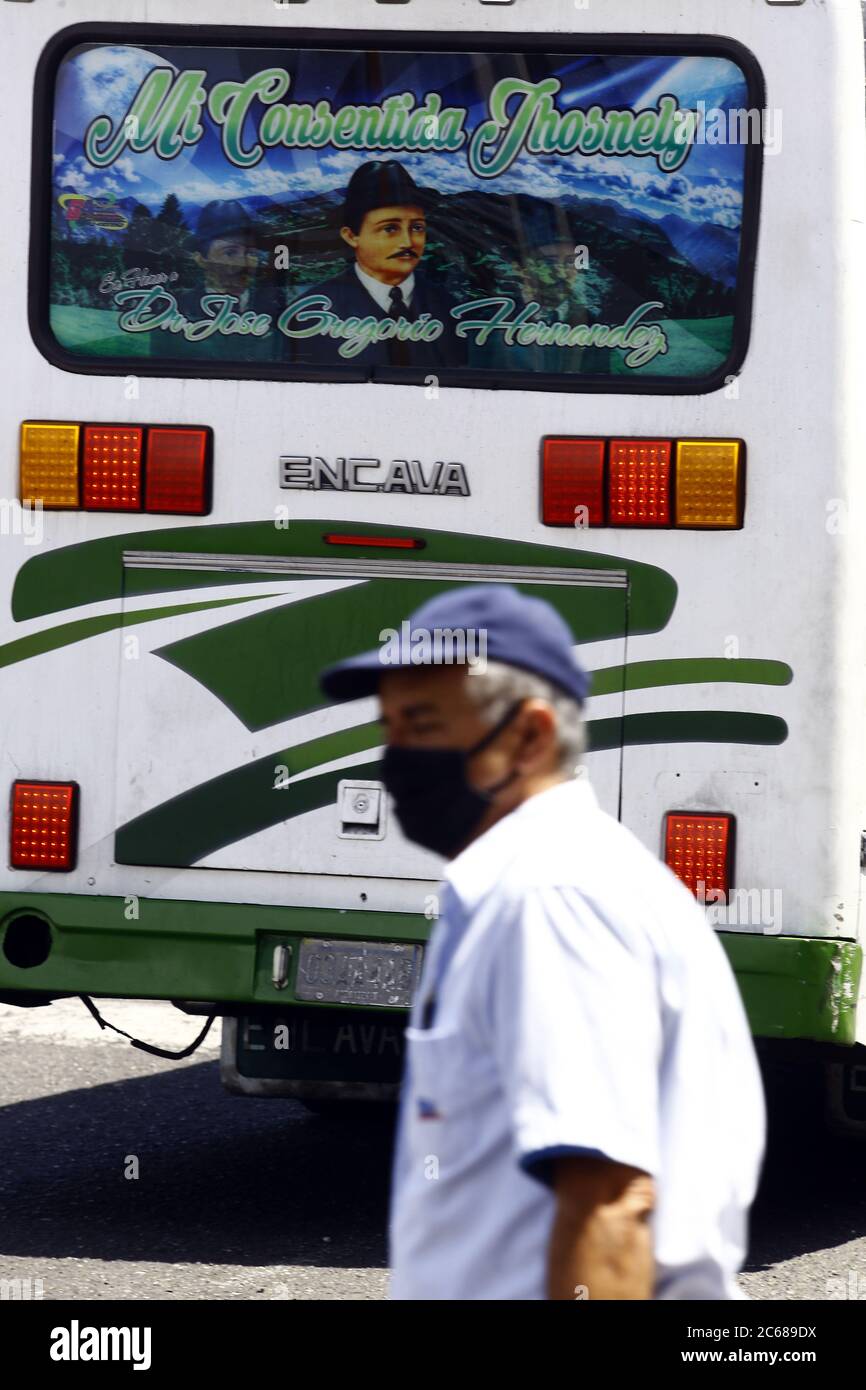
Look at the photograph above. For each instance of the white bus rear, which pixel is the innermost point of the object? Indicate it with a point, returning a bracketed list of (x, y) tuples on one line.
[(629, 379)]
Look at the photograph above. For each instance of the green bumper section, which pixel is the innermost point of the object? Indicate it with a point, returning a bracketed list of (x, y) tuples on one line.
[(797, 986), (150, 948), (173, 949)]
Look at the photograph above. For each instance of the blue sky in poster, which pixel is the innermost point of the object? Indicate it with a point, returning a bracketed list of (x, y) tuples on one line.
[(103, 80)]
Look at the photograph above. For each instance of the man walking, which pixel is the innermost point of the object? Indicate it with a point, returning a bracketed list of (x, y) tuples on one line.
[(582, 1111)]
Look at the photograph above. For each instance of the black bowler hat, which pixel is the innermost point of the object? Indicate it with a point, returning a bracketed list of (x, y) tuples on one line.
[(516, 629), (380, 183)]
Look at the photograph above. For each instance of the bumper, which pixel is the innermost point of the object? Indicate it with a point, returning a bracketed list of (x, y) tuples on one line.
[(150, 948), (797, 986)]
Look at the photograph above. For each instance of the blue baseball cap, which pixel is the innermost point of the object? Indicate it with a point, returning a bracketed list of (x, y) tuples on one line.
[(513, 628)]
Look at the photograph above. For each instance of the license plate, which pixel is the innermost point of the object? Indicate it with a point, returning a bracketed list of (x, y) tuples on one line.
[(380, 973), (309, 1043)]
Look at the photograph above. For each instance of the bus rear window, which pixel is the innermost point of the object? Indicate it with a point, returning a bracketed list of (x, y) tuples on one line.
[(573, 219)]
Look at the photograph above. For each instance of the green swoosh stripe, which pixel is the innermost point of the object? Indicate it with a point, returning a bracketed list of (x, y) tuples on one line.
[(303, 757), (249, 665), (226, 809), (687, 726), (66, 633), (642, 675), (265, 667), (244, 801), (92, 571)]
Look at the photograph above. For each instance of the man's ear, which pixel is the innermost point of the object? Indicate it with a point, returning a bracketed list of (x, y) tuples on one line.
[(351, 238), (198, 258), (539, 728)]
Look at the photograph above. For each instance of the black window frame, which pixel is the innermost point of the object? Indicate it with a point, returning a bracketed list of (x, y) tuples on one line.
[(624, 45)]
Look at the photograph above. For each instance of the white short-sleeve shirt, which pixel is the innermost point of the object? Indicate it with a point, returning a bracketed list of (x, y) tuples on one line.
[(585, 1006)]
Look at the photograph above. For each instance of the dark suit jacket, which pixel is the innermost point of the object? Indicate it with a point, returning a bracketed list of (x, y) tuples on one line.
[(350, 299)]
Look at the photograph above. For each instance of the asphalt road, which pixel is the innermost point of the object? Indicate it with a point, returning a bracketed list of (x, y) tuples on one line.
[(258, 1199)]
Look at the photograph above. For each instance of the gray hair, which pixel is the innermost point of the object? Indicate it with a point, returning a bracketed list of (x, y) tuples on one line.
[(494, 687)]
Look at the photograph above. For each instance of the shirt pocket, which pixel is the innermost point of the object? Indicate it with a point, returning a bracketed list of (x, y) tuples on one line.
[(451, 1087)]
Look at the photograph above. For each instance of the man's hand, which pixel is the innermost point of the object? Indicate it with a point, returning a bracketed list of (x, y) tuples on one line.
[(601, 1236)]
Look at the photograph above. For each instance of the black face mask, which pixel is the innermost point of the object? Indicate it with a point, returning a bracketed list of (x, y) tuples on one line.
[(435, 802)]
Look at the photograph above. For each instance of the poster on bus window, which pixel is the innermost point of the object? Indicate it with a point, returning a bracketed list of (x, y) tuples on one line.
[(576, 215)]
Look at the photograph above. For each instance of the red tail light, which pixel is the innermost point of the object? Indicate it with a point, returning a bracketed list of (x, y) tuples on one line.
[(699, 849), (111, 468), (572, 482), (115, 468), (44, 825), (640, 482), (388, 542), (176, 476), (691, 483)]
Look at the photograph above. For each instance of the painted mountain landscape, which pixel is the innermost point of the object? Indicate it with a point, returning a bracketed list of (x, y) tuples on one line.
[(479, 244)]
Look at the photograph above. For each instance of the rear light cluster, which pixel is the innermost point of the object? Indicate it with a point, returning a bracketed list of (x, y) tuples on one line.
[(116, 468), (44, 825), (699, 849), (643, 482)]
